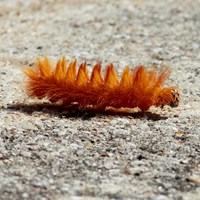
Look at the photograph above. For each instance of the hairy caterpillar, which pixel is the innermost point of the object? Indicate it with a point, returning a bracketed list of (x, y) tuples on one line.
[(140, 88)]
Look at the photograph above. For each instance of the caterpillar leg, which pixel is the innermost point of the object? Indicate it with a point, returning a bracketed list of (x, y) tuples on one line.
[(75, 110)]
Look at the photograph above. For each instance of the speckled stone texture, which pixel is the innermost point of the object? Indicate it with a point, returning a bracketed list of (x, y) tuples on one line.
[(46, 154)]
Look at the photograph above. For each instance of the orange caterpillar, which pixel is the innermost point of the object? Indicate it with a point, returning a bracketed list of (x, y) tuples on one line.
[(140, 88)]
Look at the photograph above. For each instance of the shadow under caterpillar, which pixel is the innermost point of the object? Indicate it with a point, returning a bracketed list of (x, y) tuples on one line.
[(63, 84)]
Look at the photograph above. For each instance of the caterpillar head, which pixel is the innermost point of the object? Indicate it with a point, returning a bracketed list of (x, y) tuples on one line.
[(168, 96)]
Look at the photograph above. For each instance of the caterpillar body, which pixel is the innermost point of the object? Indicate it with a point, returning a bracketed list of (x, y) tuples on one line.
[(137, 88)]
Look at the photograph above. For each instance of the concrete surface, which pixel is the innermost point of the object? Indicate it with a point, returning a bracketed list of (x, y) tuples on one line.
[(45, 154)]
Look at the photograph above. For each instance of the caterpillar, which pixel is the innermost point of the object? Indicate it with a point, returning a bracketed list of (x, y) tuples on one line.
[(137, 88)]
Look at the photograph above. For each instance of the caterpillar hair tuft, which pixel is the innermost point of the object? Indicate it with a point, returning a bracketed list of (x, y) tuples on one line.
[(137, 88)]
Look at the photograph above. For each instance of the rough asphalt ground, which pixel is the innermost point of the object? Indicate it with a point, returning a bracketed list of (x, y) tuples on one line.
[(45, 154)]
